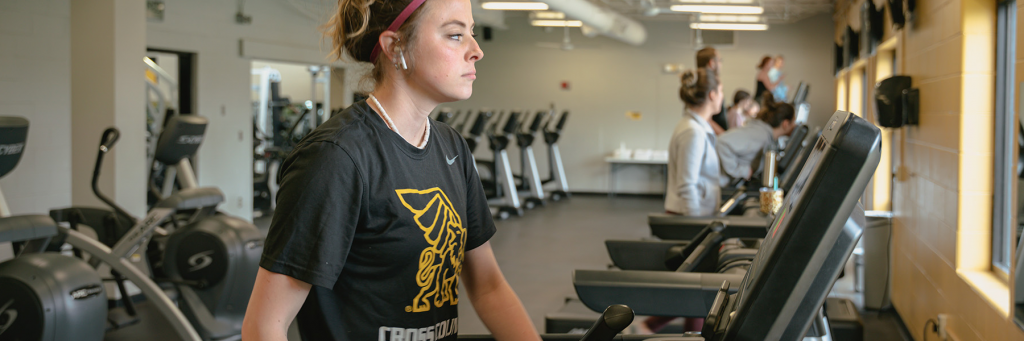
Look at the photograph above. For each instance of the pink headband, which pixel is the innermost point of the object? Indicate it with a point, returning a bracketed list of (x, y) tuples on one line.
[(402, 17)]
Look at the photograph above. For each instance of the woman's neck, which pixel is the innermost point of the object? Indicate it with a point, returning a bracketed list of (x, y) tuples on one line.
[(408, 111), (704, 111), (777, 132)]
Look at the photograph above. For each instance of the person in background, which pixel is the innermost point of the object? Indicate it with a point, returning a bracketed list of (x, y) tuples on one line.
[(693, 169), (693, 162), (708, 58), (764, 82), (775, 76), (738, 148), (740, 110)]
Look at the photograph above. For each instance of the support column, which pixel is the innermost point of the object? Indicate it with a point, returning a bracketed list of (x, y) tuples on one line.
[(108, 42)]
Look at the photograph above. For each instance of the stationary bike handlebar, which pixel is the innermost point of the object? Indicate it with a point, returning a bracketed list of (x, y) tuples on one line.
[(537, 120), (493, 130), (480, 123), (513, 122), (107, 141)]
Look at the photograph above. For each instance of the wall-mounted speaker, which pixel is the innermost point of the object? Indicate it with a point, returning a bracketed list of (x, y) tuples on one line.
[(896, 102)]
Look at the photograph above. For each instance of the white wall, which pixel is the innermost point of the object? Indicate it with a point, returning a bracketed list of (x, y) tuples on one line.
[(609, 78), (35, 83)]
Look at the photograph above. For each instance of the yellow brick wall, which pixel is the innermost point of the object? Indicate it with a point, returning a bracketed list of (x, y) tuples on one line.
[(943, 203)]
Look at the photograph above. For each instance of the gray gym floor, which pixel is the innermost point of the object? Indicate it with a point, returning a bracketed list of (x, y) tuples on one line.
[(537, 253)]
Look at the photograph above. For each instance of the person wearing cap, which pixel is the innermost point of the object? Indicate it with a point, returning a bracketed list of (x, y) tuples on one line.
[(381, 215)]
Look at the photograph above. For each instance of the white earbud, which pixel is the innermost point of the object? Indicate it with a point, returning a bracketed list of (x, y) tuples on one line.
[(401, 56)]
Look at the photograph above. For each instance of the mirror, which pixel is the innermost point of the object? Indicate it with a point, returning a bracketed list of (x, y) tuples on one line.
[(289, 101)]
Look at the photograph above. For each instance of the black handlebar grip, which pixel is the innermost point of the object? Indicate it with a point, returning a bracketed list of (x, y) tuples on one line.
[(109, 138), (513, 122), (497, 122), (561, 121), (535, 125), (480, 123), (614, 319)]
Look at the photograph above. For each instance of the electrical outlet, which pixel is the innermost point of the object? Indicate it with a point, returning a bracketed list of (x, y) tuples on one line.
[(941, 326)]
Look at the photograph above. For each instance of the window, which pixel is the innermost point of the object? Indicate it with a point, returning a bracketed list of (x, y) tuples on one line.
[(1004, 218)]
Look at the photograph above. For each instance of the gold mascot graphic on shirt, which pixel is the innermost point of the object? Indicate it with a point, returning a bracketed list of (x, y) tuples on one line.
[(441, 262)]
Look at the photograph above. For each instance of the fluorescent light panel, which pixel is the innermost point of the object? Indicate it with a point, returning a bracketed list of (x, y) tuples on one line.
[(731, 18), (731, 27), (720, 9), (547, 15), (515, 6), (717, 2), (557, 23)]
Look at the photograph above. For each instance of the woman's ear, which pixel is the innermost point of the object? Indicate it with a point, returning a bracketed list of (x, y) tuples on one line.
[(388, 40)]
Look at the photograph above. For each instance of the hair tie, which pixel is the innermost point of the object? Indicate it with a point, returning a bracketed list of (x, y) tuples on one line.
[(402, 17)]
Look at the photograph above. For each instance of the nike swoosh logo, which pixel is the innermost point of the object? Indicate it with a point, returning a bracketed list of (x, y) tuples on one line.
[(452, 160)]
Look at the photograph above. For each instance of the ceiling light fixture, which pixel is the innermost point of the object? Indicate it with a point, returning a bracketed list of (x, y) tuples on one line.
[(556, 23), (722, 9), (730, 27), (717, 2), (731, 18), (515, 6), (547, 15)]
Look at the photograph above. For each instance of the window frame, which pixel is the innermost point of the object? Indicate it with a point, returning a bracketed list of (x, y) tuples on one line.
[(1004, 219)]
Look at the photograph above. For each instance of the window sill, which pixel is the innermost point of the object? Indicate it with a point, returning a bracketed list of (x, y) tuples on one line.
[(994, 290)]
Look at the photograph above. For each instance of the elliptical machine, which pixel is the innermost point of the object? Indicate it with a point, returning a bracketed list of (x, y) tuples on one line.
[(209, 259), (43, 295), (555, 169)]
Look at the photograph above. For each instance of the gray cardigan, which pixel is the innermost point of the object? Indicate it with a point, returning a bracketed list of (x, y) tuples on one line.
[(738, 148), (693, 168)]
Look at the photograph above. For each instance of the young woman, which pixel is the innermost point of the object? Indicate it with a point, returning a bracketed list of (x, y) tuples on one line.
[(775, 75), (738, 112), (693, 163), (738, 148), (380, 214), (764, 81)]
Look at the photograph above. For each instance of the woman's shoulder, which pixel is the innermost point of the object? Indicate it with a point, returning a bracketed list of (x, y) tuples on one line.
[(346, 129)]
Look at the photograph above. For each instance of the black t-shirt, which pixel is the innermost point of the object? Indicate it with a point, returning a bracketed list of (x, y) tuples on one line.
[(378, 227), (720, 118)]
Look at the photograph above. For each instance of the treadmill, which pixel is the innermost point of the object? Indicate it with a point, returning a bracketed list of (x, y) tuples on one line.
[(780, 297)]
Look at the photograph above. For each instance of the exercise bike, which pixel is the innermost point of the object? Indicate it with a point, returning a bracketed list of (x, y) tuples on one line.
[(208, 259)]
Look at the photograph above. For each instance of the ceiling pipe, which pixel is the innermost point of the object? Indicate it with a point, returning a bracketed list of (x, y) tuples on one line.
[(602, 20)]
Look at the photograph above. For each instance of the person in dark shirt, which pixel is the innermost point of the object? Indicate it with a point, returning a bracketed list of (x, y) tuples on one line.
[(381, 213), (764, 81)]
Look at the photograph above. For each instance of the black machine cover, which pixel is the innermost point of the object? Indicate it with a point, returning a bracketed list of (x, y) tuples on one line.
[(180, 139), (13, 133), (786, 285)]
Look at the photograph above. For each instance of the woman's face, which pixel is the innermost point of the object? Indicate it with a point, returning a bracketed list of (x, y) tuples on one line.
[(753, 109), (445, 51), (716, 97)]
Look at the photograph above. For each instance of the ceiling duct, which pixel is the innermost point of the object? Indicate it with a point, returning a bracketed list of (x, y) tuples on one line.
[(602, 20)]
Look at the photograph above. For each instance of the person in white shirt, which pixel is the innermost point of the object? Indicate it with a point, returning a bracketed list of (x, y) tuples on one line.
[(693, 166)]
